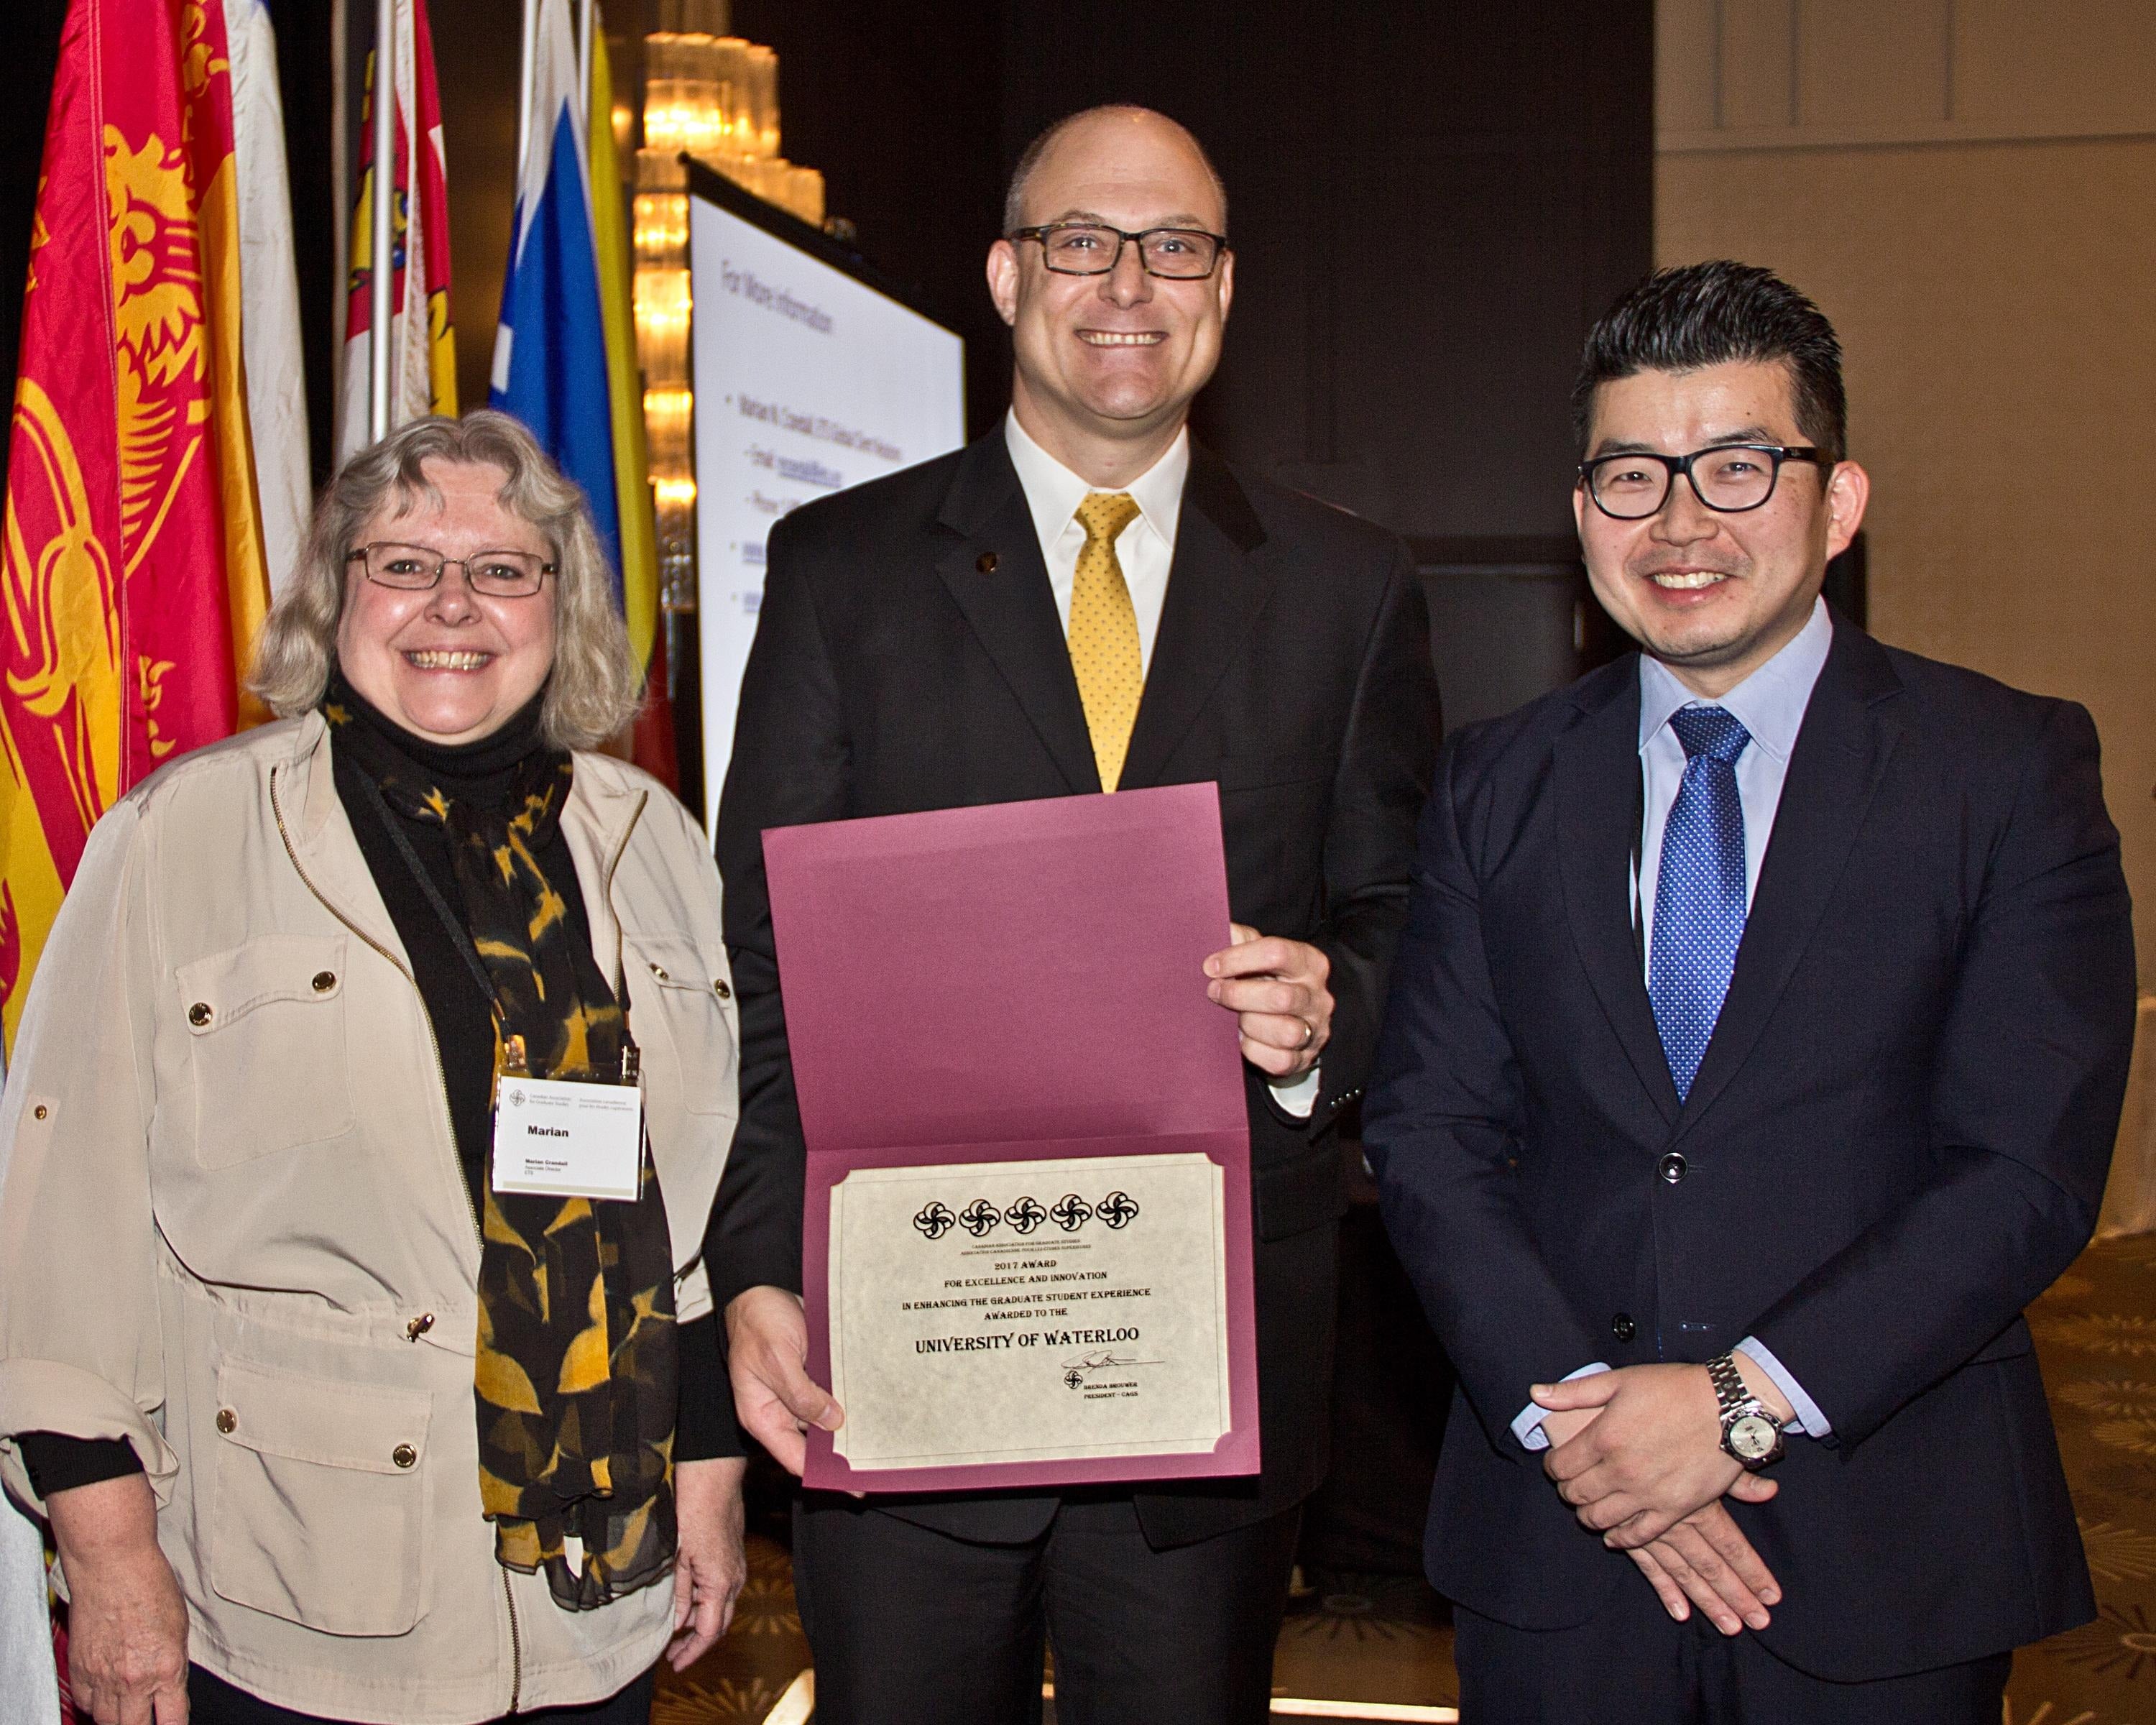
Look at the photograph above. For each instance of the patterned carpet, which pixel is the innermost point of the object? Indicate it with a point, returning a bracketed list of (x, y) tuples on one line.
[(1384, 1639), (743, 1678), (2096, 1335)]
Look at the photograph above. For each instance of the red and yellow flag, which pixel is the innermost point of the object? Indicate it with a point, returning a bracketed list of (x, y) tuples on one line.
[(422, 347), (132, 568)]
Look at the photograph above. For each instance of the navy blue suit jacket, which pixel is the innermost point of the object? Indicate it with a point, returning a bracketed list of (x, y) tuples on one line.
[(1899, 1137)]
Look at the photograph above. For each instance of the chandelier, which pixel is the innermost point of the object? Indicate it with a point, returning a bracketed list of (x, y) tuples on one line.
[(713, 96)]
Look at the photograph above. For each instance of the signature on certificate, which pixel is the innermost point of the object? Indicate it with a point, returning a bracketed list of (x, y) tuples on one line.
[(1104, 1360)]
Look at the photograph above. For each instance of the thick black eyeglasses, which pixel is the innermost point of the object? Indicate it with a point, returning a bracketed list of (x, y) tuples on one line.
[(414, 568), (1730, 478), (1089, 249)]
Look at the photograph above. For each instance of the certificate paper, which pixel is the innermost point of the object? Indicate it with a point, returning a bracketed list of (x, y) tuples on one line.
[(1078, 1309), (1026, 1246)]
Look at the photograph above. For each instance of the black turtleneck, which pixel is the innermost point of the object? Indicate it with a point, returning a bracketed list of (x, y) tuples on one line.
[(478, 772), (481, 774)]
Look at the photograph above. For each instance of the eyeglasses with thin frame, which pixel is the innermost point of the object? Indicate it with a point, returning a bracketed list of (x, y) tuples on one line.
[(1093, 249), (1727, 478), (415, 569)]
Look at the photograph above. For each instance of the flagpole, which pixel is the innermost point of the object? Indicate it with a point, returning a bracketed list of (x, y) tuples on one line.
[(340, 177), (587, 22), (524, 90), (381, 259)]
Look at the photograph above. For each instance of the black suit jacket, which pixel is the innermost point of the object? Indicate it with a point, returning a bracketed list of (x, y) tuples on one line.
[(908, 657), (1898, 1138)]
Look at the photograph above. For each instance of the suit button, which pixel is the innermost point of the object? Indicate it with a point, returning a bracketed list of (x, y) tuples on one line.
[(228, 1422), (1673, 1167), (1622, 1327), (720, 988), (325, 980), (198, 1014), (403, 1455)]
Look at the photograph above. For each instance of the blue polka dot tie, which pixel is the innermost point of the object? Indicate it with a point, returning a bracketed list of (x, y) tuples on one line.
[(1699, 895)]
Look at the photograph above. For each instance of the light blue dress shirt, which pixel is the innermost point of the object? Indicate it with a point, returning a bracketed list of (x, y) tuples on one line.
[(1770, 704)]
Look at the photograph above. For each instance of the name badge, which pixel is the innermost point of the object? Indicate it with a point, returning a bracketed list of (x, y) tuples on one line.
[(564, 1140)]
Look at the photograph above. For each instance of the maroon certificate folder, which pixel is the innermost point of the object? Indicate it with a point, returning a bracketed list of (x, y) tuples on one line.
[(1027, 1234)]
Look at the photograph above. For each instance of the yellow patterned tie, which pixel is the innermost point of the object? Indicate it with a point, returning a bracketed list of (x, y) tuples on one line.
[(1104, 634)]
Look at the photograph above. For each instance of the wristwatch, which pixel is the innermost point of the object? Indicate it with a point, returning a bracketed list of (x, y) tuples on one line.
[(1749, 1433)]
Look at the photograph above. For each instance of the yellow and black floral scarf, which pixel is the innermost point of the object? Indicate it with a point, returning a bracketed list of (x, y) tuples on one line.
[(576, 1378)]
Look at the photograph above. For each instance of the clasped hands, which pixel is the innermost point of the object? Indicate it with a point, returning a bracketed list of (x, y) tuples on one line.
[(1637, 1453)]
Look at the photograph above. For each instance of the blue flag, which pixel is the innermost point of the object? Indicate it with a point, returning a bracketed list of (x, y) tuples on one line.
[(550, 361)]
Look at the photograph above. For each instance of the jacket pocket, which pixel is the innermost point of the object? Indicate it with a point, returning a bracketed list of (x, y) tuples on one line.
[(318, 1514), (676, 994), (266, 1029)]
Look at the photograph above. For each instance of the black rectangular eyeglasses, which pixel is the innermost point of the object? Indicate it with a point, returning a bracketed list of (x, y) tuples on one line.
[(1729, 478), (1092, 249)]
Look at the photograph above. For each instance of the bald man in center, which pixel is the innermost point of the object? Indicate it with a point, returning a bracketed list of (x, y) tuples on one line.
[(1082, 601)]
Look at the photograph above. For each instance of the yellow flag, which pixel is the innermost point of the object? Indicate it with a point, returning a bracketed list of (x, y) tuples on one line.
[(632, 465)]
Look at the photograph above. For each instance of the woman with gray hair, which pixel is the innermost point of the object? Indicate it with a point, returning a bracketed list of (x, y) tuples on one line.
[(365, 1111)]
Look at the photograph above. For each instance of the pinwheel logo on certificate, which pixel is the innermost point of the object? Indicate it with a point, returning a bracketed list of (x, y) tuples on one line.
[(980, 1219)]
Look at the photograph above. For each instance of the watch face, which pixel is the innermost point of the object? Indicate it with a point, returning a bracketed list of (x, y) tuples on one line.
[(1751, 1438)]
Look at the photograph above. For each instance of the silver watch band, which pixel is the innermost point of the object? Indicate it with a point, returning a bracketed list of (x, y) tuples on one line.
[(1750, 1434), (1729, 1388)]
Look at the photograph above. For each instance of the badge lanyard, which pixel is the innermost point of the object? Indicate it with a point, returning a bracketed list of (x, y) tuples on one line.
[(554, 1137)]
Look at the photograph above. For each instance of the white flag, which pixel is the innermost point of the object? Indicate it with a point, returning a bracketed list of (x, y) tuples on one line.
[(268, 290), (423, 366)]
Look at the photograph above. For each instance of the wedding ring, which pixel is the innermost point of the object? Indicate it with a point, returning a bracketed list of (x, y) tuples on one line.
[(1309, 1033)]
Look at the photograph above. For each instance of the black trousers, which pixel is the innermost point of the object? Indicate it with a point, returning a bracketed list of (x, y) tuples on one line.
[(212, 1701), (909, 1626), (1631, 1663)]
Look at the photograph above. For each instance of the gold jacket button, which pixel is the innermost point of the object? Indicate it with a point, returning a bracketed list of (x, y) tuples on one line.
[(419, 1326), (198, 1014), (39, 1111), (659, 971), (403, 1455), (228, 1422), (720, 988), (325, 980)]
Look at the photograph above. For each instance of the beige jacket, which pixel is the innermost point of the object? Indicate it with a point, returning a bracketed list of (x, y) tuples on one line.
[(234, 1229)]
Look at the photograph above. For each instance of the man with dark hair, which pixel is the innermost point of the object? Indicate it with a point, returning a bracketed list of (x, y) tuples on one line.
[(1755, 1052), (1085, 600), (1711, 313)]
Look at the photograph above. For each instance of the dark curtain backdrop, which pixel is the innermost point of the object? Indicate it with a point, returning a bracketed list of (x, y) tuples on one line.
[(1428, 202)]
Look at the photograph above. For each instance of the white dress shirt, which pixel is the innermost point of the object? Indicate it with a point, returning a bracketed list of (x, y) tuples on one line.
[(1770, 704), (1146, 549)]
